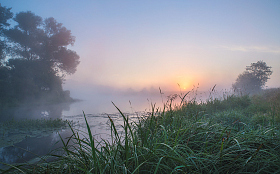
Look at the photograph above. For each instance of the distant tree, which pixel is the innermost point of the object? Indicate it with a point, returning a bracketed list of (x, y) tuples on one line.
[(253, 79), (261, 71)]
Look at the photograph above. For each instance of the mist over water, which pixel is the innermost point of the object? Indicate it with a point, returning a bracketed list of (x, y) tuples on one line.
[(97, 106), (98, 100), (126, 56)]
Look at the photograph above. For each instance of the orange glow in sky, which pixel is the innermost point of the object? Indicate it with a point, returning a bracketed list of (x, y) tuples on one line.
[(152, 44)]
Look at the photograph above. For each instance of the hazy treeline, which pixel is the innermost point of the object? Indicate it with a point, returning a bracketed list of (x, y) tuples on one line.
[(34, 58), (252, 80)]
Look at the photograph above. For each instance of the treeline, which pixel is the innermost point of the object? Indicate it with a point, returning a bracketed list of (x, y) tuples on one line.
[(34, 58)]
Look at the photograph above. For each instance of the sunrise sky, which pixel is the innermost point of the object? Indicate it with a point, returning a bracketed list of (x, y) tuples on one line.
[(157, 43)]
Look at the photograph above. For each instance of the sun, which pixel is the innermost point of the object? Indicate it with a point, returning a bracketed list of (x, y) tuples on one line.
[(184, 85)]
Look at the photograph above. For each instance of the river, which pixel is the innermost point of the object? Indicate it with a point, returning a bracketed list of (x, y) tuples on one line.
[(96, 108)]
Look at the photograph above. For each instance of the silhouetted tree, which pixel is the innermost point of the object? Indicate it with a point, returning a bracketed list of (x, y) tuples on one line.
[(5, 15), (38, 58), (33, 79), (35, 39), (253, 79)]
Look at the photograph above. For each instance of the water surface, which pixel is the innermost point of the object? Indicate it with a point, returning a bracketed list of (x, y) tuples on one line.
[(96, 108)]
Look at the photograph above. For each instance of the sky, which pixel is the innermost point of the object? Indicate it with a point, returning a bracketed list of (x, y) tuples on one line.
[(142, 45)]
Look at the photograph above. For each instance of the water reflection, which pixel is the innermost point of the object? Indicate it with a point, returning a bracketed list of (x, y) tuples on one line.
[(34, 112), (100, 128), (97, 110), (31, 148), (25, 150)]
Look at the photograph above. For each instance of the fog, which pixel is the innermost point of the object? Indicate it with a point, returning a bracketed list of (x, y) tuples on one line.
[(134, 55)]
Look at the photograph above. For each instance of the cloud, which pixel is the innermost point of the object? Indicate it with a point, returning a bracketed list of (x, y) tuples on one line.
[(263, 49)]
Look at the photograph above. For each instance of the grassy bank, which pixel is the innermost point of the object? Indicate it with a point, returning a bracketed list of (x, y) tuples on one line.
[(239, 134)]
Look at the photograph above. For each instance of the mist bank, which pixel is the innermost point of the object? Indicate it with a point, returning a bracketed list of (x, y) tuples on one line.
[(98, 98), (87, 90)]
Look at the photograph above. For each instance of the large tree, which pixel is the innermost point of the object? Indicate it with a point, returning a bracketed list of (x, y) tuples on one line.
[(35, 39), (253, 79), (39, 57)]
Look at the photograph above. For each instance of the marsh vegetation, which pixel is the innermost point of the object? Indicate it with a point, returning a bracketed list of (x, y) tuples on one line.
[(238, 134), (14, 131)]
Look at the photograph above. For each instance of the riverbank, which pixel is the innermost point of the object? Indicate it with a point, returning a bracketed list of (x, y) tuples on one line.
[(234, 135)]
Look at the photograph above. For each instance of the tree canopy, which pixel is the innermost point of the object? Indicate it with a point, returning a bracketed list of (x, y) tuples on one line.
[(35, 39), (5, 15), (253, 79), (37, 57)]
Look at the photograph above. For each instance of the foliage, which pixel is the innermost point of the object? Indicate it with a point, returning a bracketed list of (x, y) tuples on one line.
[(35, 39), (260, 70), (193, 138), (38, 58), (247, 83), (253, 79), (5, 15), (31, 79)]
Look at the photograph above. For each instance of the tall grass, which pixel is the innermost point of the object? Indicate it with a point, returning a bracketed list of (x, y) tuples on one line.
[(218, 136)]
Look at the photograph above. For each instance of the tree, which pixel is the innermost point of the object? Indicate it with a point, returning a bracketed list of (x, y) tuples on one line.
[(35, 39), (39, 58), (32, 80), (261, 71), (5, 15), (253, 79), (26, 36)]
